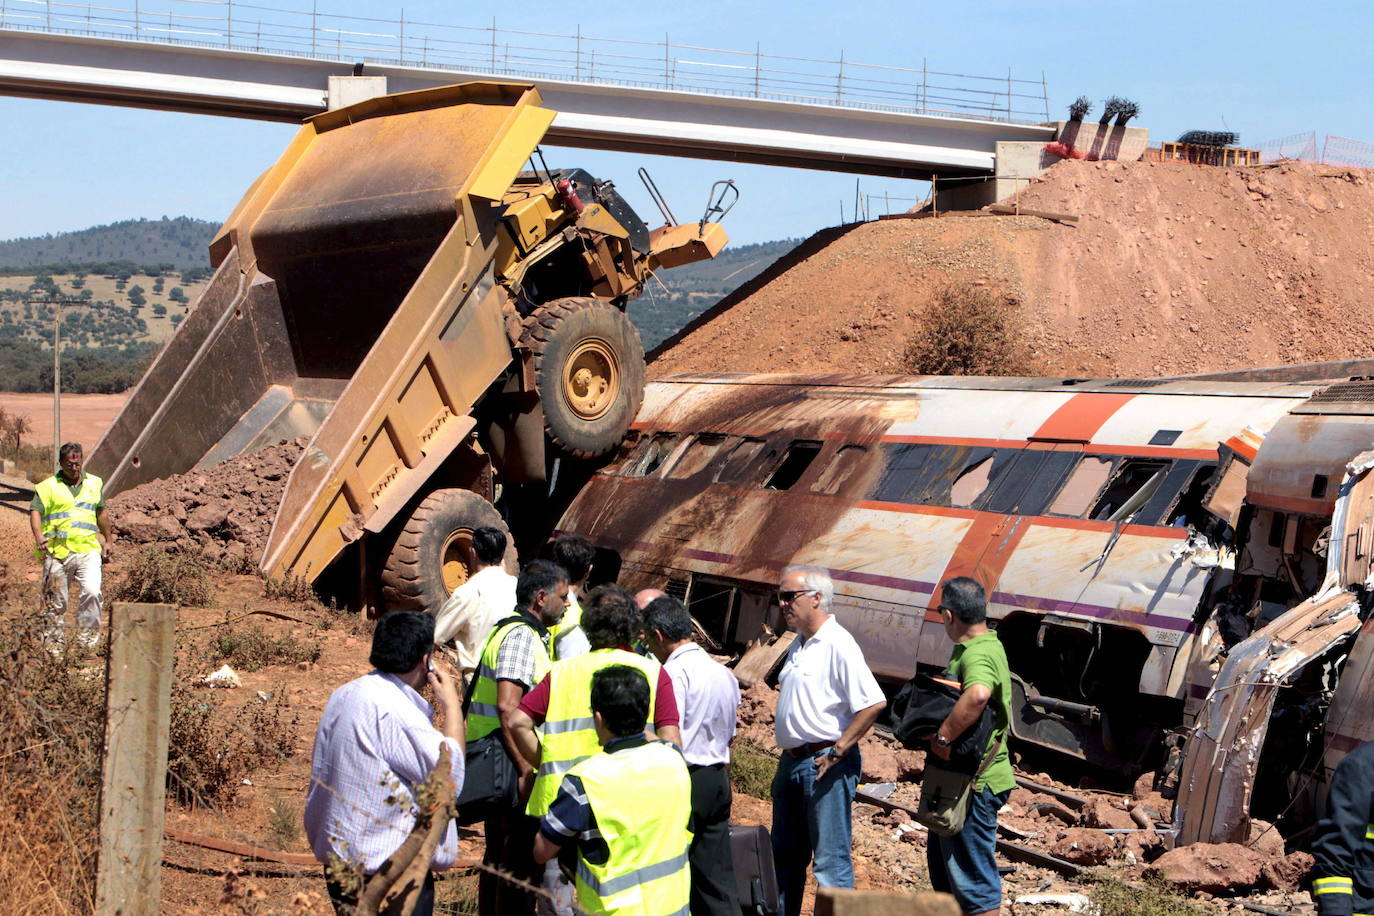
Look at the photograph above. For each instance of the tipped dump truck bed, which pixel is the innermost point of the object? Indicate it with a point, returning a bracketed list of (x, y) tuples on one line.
[(371, 290)]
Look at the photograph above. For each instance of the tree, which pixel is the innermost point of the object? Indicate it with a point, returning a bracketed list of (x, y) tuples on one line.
[(157, 286), (136, 297), (159, 309), (177, 294)]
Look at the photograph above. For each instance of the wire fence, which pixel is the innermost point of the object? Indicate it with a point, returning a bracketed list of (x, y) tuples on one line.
[(1332, 150), (531, 55)]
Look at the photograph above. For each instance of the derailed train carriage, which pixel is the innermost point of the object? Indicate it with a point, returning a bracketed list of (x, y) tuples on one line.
[(1177, 567)]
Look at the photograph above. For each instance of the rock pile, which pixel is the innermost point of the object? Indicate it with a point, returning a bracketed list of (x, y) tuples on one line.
[(225, 511)]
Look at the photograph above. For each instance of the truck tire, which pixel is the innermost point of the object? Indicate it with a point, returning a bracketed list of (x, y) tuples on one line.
[(589, 372), (428, 560)]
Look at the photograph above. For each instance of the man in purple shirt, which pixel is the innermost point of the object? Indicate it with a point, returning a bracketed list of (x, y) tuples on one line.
[(708, 702)]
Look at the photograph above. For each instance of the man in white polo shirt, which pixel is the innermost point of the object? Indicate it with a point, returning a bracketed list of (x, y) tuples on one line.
[(708, 701), (828, 701)]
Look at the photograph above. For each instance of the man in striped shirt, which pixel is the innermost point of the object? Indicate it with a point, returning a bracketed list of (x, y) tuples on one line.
[(375, 744)]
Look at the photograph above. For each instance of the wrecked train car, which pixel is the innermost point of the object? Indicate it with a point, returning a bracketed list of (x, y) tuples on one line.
[(1139, 540)]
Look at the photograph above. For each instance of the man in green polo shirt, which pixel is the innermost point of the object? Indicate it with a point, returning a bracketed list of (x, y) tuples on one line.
[(963, 864)]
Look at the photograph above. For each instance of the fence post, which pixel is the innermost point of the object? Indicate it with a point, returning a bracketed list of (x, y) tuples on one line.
[(839, 80), (402, 53), (229, 24), (1009, 93), (138, 704), (667, 77), (758, 62), (493, 44), (925, 86), (314, 26), (577, 61)]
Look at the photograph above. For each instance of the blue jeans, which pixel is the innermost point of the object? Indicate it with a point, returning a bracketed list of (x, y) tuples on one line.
[(963, 864), (811, 818)]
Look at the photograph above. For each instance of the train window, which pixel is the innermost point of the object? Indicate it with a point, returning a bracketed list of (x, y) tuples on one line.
[(906, 467), (1181, 494), (1135, 481), (650, 456), (1082, 487), (1031, 478), (697, 455), (841, 467), (799, 456), (971, 483), (741, 456)]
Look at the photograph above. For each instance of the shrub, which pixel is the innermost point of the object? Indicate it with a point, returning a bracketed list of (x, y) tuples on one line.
[(968, 330), (211, 751), (284, 822), (249, 648), (292, 588), (752, 769), (1113, 898), (161, 577), (50, 765)]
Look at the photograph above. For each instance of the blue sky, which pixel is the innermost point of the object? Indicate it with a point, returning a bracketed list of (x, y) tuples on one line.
[(1262, 69)]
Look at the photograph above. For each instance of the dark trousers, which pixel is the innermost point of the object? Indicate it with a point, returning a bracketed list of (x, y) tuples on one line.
[(510, 847), (345, 903), (713, 870)]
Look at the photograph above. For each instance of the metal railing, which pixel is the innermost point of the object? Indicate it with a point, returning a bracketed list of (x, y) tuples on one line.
[(532, 55)]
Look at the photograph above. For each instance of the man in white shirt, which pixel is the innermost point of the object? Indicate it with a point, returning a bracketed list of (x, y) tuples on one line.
[(466, 618), (375, 744), (828, 700), (708, 703), (574, 553)]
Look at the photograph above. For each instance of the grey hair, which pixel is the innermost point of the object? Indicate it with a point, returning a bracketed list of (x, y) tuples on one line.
[(814, 577), (68, 448)]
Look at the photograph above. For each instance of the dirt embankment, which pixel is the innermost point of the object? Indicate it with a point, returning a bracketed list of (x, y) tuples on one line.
[(1171, 268)]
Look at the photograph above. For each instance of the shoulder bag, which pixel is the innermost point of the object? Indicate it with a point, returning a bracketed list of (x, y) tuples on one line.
[(946, 794)]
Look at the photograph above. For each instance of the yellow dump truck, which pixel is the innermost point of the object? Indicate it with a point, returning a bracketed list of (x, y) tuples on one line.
[(439, 320)]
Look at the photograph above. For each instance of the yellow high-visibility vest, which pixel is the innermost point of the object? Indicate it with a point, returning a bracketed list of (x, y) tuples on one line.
[(484, 717), (69, 519), (641, 798), (571, 620), (569, 730)]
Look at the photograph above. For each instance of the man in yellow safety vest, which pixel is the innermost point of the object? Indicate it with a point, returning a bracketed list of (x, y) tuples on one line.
[(514, 659), (71, 534), (561, 704), (626, 809)]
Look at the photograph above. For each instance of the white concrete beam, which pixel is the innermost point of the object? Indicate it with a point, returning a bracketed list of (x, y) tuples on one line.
[(598, 116)]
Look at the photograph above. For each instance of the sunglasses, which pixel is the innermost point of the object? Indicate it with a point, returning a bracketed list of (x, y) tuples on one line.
[(787, 597)]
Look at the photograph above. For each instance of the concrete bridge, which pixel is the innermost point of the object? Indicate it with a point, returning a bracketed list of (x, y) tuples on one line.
[(827, 124)]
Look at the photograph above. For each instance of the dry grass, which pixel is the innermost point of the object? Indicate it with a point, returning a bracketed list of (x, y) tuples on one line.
[(1113, 898), (211, 748), (50, 766), (752, 770), (249, 648), (159, 576), (969, 330)]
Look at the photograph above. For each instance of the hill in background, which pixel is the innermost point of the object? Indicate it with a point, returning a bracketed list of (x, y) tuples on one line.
[(182, 242), (137, 279), (694, 288)]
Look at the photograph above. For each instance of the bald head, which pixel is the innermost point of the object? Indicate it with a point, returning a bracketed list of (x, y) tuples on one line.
[(644, 597)]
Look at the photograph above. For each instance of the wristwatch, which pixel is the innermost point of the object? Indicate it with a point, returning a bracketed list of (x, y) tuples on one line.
[(941, 740)]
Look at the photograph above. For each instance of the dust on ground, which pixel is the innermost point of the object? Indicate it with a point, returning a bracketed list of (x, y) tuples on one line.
[(1171, 268)]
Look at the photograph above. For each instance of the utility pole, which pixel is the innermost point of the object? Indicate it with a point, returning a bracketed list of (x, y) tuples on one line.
[(56, 377), (57, 303)]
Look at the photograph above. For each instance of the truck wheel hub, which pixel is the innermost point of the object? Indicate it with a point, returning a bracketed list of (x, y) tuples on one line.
[(592, 379)]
